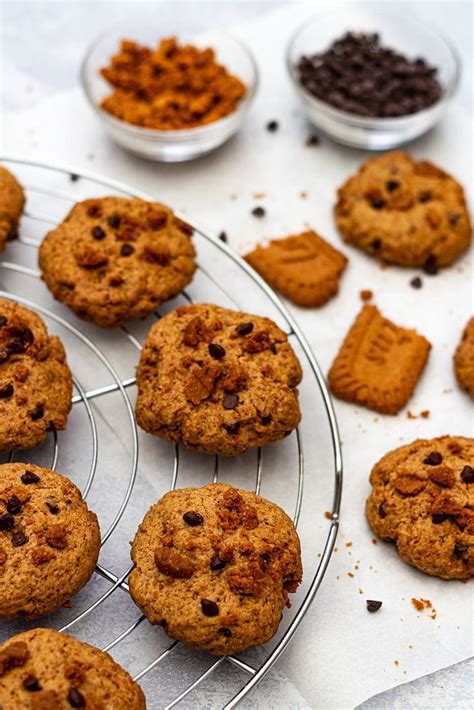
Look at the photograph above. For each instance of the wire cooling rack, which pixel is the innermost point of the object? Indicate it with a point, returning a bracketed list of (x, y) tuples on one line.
[(100, 452)]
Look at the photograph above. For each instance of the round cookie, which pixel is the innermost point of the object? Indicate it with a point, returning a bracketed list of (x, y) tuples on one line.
[(214, 566), (423, 499), (49, 540), (35, 381), (464, 359), (44, 669), (218, 380), (12, 201), (404, 212), (113, 259)]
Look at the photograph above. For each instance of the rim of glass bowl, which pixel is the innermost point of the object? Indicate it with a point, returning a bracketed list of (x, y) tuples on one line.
[(174, 134), (372, 122)]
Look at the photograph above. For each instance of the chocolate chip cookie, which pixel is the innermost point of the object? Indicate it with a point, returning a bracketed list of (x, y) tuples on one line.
[(464, 359), (43, 669), (404, 212), (35, 381), (113, 259), (49, 540), (12, 201), (218, 380), (214, 567), (423, 499)]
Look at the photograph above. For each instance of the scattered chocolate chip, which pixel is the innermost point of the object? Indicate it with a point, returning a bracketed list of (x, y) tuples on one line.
[(312, 140), (6, 391), (76, 699), (392, 185), (258, 211), (3, 321), (127, 249), (223, 237), (453, 218), (244, 328), (224, 631), (209, 608), (467, 474), (433, 459), (424, 196), (431, 266), (217, 563), (29, 477), (373, 605), (266, 419), (114, 221), (52, 507), (37, 412), (230, 400), (232, 428), (272, 126), (376, 243), (459, 549), (73, 177), (377, 203), (7, 521), (14, 505), (19, 538), (193, 519), (438, 518), (31, 683), (416, 282), (216, 351), (382, 511), (98, 233)]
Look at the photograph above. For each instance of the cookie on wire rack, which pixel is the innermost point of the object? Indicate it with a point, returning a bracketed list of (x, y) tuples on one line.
[(464, 359), (44, 669), (12, 201), (113, 259), (214, 567), (218, 380)]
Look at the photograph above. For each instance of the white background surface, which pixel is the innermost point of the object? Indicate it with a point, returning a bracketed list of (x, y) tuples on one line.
[(341, 655)]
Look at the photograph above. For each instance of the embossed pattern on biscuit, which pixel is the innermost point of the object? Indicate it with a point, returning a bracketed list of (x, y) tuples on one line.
[(379, 363), (464, 359)]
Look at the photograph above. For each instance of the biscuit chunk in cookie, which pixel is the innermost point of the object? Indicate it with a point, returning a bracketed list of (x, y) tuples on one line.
[(12, 201), (303, 267), (379, 363), (35, 380), (114, 259), (218, 380), (422, 500), (404, 212), (49, 540), (43, 669), (214, 567), (464, 359)]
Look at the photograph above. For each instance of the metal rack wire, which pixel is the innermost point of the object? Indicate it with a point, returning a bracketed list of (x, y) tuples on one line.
[(84, 398)]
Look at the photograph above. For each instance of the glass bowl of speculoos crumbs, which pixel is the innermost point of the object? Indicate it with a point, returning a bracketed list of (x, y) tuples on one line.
[(169, 98), (372, 79)]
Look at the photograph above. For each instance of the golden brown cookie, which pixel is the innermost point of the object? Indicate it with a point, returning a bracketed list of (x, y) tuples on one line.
[(423, 499), (43, 669), (404, 212), (220, 381), (113, 259), (214, 567), (35, 381), (304, 268), (379, 363), (12, 201), (464, 359), (49, 540)]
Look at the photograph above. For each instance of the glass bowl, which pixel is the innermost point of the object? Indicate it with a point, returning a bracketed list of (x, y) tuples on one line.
[(405, 34), (173, 145)]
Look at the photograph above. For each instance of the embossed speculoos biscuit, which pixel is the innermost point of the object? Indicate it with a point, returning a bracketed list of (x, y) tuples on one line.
[(379, 363), (43, 669), (422, 499), (404, 212), (304, 268), (113, 259), (218, 380), (35, 381), (464, 359), (214, 567), (12, 201), (49, 540)]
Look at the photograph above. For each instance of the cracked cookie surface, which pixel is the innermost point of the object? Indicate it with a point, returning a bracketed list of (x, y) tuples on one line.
[(464, 359), (214, 567), (12, 201)]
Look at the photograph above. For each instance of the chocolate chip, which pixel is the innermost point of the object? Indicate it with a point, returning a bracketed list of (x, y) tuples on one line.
[(52, 507), (19, 538), (258, 211), (376, 243), (224, 631), (193, 519), (29, 477), (37, 412), (373, 605), (217, 563), (209, 608), (230, 400), (416, 282), (459, 549), (467, 474), (232, 428), (216, 351), (98, 233), (273, 348), (14, 505), (21, 337), (312, 140), (3, 321), (392, 185), (453, 218), (31, 683), (377, 203), (266, 419), (7, 521), (272, 126), (382, 511), (223, 237), (431, 266), (438, 518), (127, 249), (76, 699), (73, 177), (114, 221), (433, 459), (424, 196), (244, 328), (6, 391)]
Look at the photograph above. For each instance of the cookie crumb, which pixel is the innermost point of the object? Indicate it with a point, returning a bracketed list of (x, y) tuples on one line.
[(397, 663), (303, 195), (328, 515), (366, 295)]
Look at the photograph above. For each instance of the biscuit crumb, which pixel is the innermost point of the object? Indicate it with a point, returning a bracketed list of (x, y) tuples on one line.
[(366, 295)]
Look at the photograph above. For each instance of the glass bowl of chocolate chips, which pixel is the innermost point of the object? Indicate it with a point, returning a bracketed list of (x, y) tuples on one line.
[(372, 79)]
